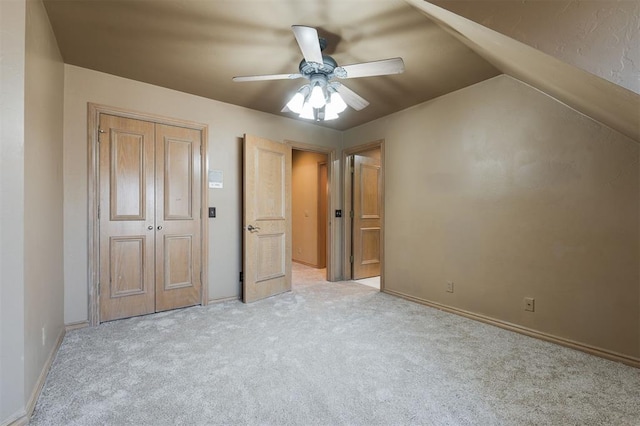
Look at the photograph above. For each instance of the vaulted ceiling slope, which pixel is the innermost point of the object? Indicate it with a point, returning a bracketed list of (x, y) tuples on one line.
[(600, 99), (599, 36), (197, 46)]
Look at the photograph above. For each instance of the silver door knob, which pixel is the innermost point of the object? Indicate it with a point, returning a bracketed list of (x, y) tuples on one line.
[(159, 227), (150, 227), (252, 228)]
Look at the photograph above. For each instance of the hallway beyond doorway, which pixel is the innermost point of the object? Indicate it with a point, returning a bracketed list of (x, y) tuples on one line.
[(303, 274)]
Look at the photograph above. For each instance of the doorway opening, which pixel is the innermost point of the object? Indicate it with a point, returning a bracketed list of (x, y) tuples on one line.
[(364, 208), (310, 209)]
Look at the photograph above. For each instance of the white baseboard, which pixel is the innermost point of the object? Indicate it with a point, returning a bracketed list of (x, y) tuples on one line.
[(76, 325), (592, 350), (35, 393), (224, 299), (17, 419)]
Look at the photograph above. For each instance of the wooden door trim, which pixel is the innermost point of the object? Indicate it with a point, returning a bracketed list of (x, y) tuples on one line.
[(93, 267), (333, 244), (346, 270), (319, 166)]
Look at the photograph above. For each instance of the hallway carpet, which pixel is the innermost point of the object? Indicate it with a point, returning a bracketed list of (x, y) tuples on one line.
[(327, 354)]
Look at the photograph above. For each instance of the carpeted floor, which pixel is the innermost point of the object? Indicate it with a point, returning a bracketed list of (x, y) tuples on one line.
[(327, 354)]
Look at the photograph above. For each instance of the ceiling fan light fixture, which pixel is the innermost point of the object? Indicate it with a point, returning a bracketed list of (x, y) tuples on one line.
[(307, 111), (330, 113), (323, 99), (337, 103), (317, 98), (297, 102)]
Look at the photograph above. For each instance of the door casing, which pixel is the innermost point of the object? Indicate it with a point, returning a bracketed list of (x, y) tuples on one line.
[(93, 120), (348, 205)]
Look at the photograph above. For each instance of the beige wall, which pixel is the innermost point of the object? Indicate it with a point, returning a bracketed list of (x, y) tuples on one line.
[(43, 276), (12, 67), (227, 124), (31, 278), (511, 194), (304, 200)]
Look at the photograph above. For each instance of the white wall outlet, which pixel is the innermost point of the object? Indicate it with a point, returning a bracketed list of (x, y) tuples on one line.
[(449, 286), (529, 304)]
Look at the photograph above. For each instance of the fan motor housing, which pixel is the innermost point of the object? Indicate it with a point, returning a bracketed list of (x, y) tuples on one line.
[(310, 68)]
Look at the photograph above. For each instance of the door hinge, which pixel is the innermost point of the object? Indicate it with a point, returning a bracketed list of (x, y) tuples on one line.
[(351, 259), (98, 289), (353, 170), (98, 211), (241, 276), (351, 214)]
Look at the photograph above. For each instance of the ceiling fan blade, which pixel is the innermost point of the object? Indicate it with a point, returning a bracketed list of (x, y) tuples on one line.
[(370, 69), (351, 98), (267, 77), (307, 38)]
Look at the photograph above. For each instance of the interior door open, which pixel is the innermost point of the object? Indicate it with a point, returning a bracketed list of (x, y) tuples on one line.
[(266, 218), (367, 217)]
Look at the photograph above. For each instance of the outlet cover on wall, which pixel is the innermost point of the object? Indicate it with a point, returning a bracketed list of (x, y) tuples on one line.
[(529, 304), (449, 286)]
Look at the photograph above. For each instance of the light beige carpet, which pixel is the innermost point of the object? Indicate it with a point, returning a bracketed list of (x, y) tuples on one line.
[(327, 354)]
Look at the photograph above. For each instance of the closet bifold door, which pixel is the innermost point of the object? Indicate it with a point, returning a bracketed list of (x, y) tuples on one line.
[(178, 211), (149, 217), (126, 217)]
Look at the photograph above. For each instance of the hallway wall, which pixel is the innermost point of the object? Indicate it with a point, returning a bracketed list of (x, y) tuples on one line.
[(304, 200)]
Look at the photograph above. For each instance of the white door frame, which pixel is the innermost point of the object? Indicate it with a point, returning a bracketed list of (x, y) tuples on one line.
[(333, 230), (348, 232), (93, 267)]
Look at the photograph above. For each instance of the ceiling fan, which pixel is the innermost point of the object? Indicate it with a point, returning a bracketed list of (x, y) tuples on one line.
[(323, 98)]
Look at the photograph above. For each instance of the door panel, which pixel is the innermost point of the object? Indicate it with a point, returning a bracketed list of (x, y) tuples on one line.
[(128, 173), (367, 206), (269, 171), (178, 250), (126, 212), (267, 218), (271, 252), (127, 265)]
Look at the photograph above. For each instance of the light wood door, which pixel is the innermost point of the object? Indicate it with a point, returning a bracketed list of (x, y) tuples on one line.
[(367, 211), (127, 217), (178, 240), (267, 218), (149, 217)]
